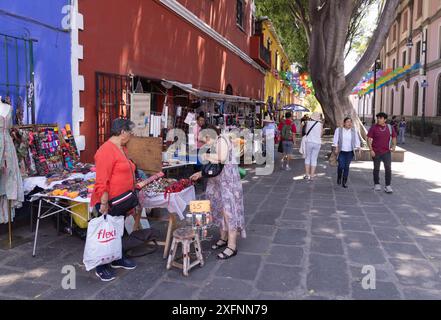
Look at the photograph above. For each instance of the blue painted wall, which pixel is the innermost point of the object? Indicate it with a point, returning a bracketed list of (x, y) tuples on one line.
[(40, 20)]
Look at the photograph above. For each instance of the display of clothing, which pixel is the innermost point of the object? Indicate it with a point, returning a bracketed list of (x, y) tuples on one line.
[(11, 183)]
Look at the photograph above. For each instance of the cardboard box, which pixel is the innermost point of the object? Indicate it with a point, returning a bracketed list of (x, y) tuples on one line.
[(397, 156), (146, 152)]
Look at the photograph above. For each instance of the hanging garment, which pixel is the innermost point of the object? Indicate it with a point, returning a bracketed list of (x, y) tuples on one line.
[(11, 183)]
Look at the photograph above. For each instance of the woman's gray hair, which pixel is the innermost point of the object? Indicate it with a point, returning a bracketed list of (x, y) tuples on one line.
[(119, 125)]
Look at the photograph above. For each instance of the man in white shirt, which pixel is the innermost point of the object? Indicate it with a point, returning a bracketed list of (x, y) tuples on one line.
[(269, 131), (346, 142)]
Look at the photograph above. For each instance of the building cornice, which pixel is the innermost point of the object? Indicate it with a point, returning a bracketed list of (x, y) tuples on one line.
[(190, 17)]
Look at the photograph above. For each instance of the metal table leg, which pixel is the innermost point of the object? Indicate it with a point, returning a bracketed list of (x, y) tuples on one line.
[(36, 229)]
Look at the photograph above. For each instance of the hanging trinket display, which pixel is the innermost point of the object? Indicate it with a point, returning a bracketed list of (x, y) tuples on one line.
[(43, 150), (48, 150), (25, 160)]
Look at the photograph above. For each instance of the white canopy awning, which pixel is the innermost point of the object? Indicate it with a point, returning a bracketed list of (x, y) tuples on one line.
[(212, 95)]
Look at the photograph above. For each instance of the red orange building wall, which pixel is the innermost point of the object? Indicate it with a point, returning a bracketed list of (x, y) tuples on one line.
[(146, 38)]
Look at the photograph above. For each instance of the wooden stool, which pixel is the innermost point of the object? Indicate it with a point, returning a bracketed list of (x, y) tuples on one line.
[(186, 237)]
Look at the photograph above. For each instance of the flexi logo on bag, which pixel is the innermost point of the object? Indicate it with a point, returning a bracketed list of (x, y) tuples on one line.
[(105, 236)]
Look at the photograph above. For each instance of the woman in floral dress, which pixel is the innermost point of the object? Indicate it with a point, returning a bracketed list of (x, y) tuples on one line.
[(225, 194)]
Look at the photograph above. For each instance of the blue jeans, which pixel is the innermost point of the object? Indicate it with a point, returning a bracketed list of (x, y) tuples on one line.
[(344, 161), (288, 147), (401, 134)]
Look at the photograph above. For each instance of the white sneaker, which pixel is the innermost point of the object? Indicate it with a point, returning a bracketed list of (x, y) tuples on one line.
[(388, 189), (288, 168), (377, 187)]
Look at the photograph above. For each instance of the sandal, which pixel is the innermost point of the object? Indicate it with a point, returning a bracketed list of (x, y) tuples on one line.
[(224, 256), (219, 244)]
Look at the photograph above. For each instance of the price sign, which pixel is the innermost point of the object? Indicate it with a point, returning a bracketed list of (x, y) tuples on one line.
[(200, 206)]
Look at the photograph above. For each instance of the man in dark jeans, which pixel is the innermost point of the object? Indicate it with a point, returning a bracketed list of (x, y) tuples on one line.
[(382, 140)]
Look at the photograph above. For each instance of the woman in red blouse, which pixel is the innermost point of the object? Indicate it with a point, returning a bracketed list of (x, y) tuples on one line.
[(115, 174)]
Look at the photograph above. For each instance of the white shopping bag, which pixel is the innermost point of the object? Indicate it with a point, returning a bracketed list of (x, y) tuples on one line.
[(129, 224), (302, 148), (103, 243)]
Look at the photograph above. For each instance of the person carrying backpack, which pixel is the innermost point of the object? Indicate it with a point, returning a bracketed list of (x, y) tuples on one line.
[(288, 131)]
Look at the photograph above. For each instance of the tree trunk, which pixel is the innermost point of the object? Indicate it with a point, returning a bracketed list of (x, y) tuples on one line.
[(339, 107), (326, 58), (329, 24)]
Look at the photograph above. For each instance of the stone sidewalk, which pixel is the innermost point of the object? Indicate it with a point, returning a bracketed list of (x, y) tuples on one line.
[(305, 241)]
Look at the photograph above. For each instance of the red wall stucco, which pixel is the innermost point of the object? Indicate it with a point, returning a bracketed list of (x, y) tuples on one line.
[(144, 38), (221, 16)]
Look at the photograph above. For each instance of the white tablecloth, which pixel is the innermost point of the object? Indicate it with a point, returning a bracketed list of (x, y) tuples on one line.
[(175, 202)]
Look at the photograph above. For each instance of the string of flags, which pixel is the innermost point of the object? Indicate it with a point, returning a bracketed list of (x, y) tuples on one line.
[(298, 83), (384, 78)]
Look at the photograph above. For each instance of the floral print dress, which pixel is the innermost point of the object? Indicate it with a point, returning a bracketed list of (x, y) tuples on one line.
[(226, 196), (11, 182)]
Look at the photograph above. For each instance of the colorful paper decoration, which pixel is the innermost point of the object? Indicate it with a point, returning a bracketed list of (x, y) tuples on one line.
[(384, 77), (299, 83)]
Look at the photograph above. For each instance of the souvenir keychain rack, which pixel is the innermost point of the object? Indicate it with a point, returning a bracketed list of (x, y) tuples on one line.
[(52, 149), (200, 218)]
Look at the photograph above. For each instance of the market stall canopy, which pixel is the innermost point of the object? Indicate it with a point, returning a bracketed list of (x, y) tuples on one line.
[(295, 108), (211, 95)]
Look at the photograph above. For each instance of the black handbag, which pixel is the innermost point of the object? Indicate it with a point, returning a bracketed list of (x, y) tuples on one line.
[(122, 204), (211, 170)]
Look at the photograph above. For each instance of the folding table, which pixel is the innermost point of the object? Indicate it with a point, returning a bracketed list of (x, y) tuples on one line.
[(56, 208)]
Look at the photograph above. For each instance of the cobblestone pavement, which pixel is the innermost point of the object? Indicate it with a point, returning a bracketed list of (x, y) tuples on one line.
[(305, 241)]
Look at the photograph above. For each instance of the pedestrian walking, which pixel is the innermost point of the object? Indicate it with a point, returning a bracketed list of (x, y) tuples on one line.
[(347, 144), (313, 143), (402, 131), (382, 140), (394, 123), (288, 131), (303, 121), (268, 132), (225, 194)]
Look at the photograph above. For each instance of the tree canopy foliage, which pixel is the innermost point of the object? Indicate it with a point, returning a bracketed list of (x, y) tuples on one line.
[(289, 17), (292, 36)]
